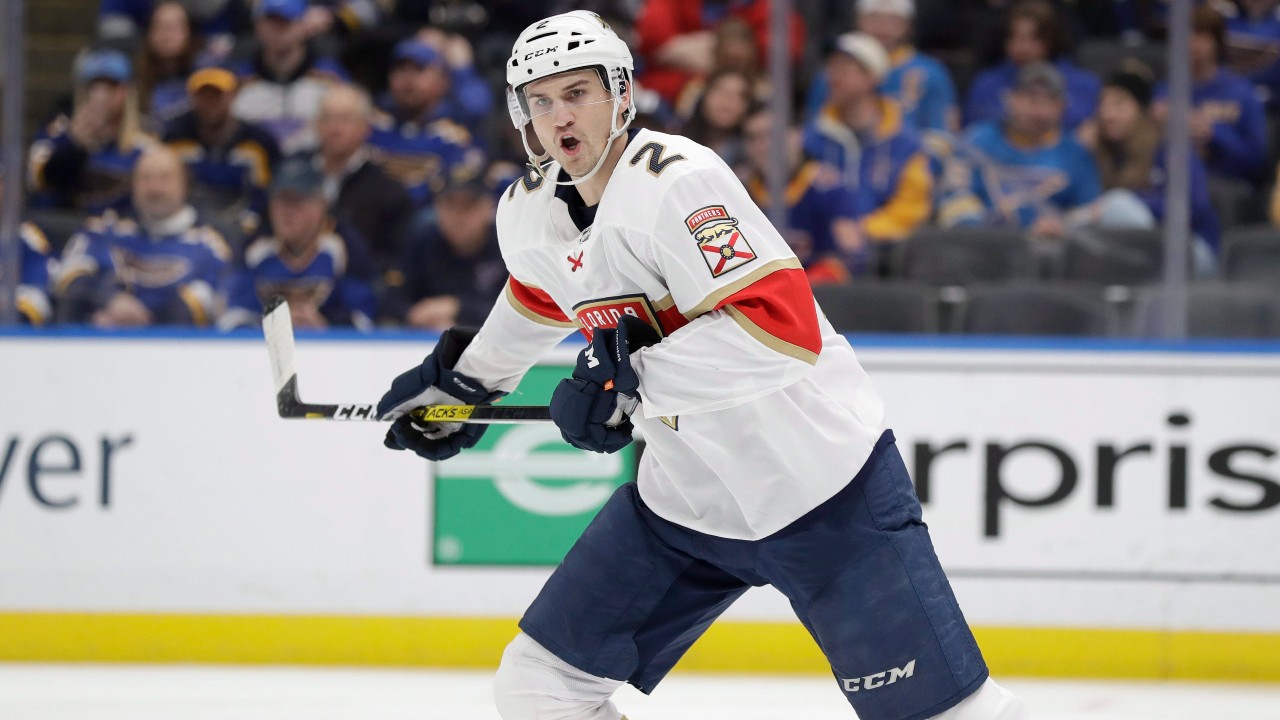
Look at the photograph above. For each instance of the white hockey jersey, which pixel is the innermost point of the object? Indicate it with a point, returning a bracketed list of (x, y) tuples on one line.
[(754, 409)]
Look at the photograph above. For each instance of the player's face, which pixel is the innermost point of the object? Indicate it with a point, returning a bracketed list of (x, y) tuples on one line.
[(415, 87), (572, 117), (159, 185), (1035, 112), (212, 106), (168, 35), (1118, 114), (1204, 50), (1024, 44), (758, 142), (847, 79), (296, 218), (890, 29), (726, 101), (342, 126)]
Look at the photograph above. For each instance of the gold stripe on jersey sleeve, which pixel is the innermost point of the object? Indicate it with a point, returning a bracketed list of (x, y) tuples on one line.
[(711, 301), (664, 303), (770, 341), (531, 315)]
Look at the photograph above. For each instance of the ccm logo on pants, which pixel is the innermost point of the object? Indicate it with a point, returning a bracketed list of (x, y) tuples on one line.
[(887, 677)]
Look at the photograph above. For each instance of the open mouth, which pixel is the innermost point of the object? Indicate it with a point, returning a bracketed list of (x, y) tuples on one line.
[(570, 144)]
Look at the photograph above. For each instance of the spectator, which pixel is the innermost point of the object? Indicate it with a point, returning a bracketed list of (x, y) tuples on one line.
[(920, 84), (1026, 171), (452, 271), (1131, 163), (1228, 123), (83, 162), (160, 266), (719, 114), (167, 57), (917, 82), (304, 259), (862, 133), (216, 21), (230, 160), (1033, 33), (1253, 44), (821, 227), (436, 80), (281, 86), (678, 40), (449, 85), (35, 261), (415, 141), (358, 191)]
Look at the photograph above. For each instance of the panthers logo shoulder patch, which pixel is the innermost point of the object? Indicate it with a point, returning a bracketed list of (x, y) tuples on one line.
[(723, 246)]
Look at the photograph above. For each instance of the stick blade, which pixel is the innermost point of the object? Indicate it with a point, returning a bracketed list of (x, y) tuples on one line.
[(277, 327)]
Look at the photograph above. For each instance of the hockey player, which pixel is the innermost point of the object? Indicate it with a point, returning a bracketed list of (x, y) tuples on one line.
[(767, 459)]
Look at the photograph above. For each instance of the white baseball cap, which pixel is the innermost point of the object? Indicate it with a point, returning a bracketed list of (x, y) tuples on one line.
[(867, 51), (904, 8)]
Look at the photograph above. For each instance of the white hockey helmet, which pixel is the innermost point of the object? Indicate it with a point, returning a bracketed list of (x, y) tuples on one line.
[(570, 41)]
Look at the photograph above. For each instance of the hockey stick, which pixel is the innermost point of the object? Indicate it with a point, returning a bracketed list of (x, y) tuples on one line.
[(277, 327)]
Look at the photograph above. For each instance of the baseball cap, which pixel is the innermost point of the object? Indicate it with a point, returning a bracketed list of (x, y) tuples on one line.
[(867, 51), (903, 8), (297, 175), (1040, 76), (288, 9), (104, 64), (214, 77), (416, 52)]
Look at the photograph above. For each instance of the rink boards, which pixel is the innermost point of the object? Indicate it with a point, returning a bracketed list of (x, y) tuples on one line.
[(1103, 510)]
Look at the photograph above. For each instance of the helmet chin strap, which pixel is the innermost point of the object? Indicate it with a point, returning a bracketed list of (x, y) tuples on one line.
[(614, 133)]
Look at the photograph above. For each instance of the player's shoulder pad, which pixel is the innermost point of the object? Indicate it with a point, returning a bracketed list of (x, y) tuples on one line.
[(258, 251), (33, 237), (212, 240)]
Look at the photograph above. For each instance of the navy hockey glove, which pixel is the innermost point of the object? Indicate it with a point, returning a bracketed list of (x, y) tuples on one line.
[(431, 383), (584, 406)]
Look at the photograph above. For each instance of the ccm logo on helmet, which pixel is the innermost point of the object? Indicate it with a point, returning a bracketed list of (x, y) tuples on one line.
[(539, 53), (880, 679)]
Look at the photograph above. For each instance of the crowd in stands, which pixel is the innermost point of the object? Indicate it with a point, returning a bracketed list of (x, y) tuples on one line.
[(349, 154)]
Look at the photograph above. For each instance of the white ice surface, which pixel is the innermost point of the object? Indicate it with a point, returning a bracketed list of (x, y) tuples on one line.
[(142, 692)]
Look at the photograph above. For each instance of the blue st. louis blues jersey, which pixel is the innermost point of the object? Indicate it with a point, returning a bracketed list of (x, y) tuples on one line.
[(33, 285), (423, 157), (1238, 145), (886, 169), (922, 88), (316, 277), (62, 174), (175, 274), (1017, 184)]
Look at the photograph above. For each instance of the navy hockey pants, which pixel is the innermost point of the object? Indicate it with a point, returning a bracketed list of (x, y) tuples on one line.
[(636, 591)]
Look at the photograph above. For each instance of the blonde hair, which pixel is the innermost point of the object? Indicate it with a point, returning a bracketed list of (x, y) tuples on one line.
[(131, 135)]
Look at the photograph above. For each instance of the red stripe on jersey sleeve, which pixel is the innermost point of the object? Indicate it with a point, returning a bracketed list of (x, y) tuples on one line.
[(781, 304), (538, 302)]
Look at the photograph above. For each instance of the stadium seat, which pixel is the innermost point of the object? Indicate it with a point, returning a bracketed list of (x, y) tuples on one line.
[(879, 307), (57, 224), (964, 256), (1101, 56), (1103, 256), (1027, 309), (1217, 310), (1252, 254), (1236, 202)]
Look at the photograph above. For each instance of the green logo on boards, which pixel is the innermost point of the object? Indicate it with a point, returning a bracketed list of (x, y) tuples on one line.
[(522, 496)]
